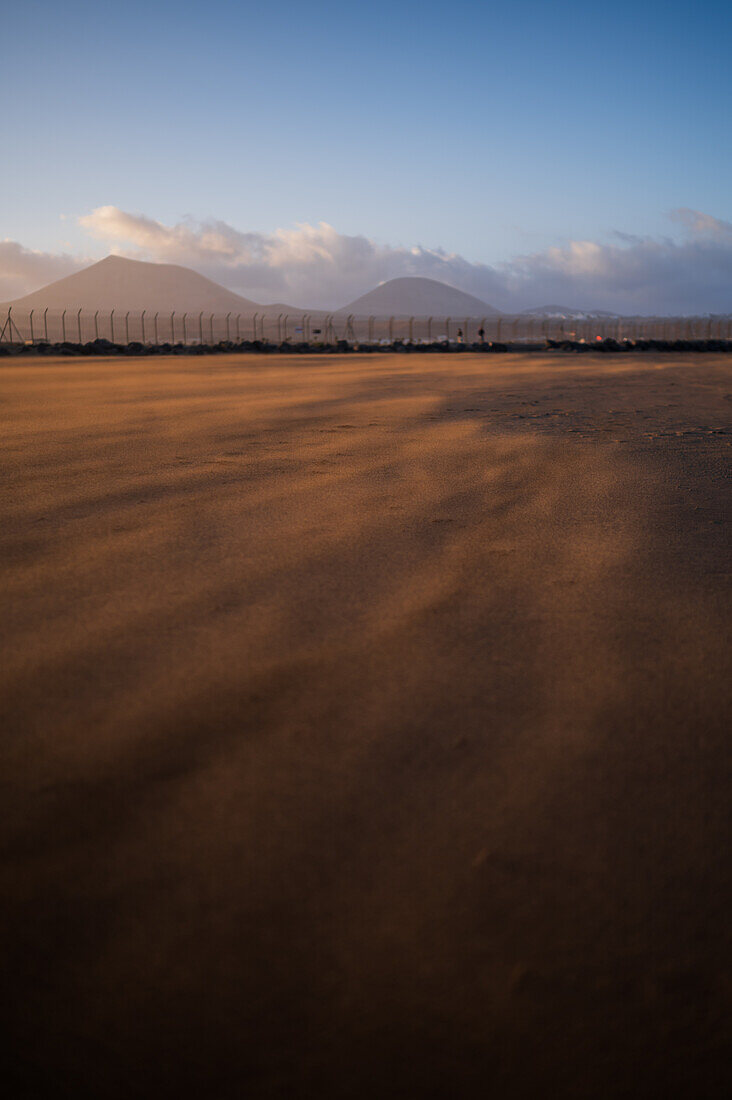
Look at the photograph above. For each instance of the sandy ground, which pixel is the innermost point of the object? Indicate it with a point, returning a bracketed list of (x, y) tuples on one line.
[(366, 726)]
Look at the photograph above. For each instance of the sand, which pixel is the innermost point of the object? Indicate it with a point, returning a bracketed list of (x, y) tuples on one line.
[(366, 726)]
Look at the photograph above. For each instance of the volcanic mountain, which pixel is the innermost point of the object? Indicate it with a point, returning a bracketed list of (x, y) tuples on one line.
[(122, 284), (133, 285), (416, 297)]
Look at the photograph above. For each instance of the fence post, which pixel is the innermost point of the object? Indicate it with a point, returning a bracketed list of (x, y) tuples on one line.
[(96, 325), (31, 326), (254, 325), (185, 329), (111, 324), (228, 315), (172, 327), (142, 324), (279, 329), (284, 323), (127, 327), (45, 324), (10, 325), (155, 329), (238, 316), (200, 328), (78, 324), (210, 328), (63, 326)]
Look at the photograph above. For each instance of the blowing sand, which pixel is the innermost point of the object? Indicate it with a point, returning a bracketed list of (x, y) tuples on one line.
[(366, 726)]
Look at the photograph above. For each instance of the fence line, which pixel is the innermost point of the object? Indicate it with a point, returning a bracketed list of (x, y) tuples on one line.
[(188, 328)]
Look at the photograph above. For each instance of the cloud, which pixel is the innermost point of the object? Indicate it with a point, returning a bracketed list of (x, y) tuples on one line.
[(643, 276), (316, 266), (312, 265), (23, 270), (703, 225), (210, 241)]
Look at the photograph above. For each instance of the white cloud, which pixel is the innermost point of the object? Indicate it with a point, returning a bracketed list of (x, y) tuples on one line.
[(643, 275), (702, 224), (312, 265), (23, 270), (315, 265)]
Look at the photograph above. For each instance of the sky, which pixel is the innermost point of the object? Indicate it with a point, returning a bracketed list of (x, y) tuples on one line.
[(308, 150)]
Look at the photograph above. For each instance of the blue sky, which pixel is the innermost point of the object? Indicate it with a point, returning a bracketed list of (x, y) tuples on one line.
[(487, 130)]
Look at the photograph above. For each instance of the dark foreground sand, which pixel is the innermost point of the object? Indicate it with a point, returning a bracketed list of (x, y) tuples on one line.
[(366, 727)]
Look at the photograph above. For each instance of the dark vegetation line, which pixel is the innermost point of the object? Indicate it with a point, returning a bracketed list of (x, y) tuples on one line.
[(134, 349)]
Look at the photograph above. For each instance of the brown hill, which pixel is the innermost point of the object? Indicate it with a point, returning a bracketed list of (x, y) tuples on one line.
[(417, 297), (122, 284)]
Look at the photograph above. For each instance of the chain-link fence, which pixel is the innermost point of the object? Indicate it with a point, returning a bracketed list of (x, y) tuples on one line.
[(149, 327)]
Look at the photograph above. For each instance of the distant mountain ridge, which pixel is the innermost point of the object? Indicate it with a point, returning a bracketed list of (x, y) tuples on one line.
[(135, 285), (565, 313)]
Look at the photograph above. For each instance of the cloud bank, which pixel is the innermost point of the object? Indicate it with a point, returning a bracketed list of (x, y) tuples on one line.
[(316, 266)]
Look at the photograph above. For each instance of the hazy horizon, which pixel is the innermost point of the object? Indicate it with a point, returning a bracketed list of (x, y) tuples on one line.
[(136, 285)]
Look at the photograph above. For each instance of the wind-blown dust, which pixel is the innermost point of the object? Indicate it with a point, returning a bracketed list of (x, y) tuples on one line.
[(366, 726)]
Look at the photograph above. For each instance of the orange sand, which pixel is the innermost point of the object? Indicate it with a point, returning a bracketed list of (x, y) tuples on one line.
[(366, 726)]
